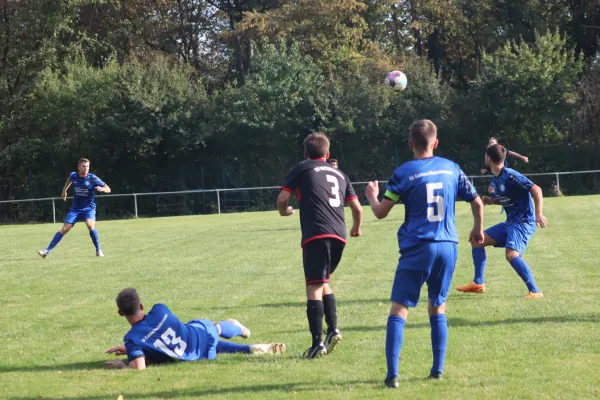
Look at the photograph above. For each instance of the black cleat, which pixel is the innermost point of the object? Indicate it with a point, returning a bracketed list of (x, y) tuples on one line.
[(436, 375), (392, 383), (315, 351), (332, 340)]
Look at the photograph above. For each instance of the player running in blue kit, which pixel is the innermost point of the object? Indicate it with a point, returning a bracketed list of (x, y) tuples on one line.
[(85, 185), (514, 192), (429, 187), (159, 337)]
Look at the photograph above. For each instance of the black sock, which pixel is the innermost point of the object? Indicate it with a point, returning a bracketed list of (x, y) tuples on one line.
[(330, 312), (314, 312)]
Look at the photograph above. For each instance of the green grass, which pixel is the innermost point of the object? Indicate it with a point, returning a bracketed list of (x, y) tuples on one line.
[(58, 314)]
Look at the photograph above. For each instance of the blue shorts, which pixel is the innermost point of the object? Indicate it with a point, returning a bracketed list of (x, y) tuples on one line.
[(75, 215), (212, 336), (511, 236), (431, 262)]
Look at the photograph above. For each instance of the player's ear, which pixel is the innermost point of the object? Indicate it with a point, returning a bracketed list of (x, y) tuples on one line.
[(328, 155), (410, 144), (141, 307), (120, 313), (435, 144)]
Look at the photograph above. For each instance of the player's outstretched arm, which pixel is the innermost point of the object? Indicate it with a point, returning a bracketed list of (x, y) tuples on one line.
[(138, 363), (357, 217), (476, 235), (104, 189), (67, 186), (285, 210), (538, 200), (520, 157), (380, 210)]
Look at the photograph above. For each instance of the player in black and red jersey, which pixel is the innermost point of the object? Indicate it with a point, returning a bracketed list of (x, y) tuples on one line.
[(321, 191)]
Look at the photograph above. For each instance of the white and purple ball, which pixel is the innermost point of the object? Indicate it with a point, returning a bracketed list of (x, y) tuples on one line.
[(396, 80)]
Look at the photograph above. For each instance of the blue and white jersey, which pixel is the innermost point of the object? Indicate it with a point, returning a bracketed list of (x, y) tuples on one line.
[(160, 337), (429, 189), (512, 189), (84, 189)]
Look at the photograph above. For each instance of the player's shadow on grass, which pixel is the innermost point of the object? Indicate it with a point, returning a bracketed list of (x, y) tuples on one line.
[(56, 367)]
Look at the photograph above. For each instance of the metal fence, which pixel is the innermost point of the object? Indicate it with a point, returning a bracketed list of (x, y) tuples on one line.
[(211, 201)]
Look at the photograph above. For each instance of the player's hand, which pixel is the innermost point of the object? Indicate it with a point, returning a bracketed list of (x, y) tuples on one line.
[(64, 196), (290, 211), (526, 160), (483, 171), (476, 235), (117, 350), (372, 189), (541, 221), (115, 364), (487, 200), (355, 232)]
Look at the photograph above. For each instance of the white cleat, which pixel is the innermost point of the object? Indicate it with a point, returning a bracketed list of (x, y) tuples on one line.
[(271, 348), (245, 331), (43, 253), (99, 253)]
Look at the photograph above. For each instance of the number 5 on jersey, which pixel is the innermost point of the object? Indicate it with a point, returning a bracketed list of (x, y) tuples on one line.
[(435, 203)]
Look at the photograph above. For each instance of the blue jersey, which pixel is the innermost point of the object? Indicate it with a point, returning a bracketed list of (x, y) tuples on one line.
[(512, 189), (160, 337), (429, 189), (84, 189)]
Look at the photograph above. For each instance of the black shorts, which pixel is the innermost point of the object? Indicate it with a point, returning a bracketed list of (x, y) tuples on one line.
[(321, 257)]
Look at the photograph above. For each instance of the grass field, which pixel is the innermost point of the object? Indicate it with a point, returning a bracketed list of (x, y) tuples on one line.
[(59, 316)]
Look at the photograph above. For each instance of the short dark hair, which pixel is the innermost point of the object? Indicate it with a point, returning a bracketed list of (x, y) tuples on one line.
[(316, 145), (82, 160), (423, 133), (332, 160), (496, 153), (128, 301)]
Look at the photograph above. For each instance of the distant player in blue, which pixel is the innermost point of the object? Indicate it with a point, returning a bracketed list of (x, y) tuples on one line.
[(492, 141), (83, 208), (159, 337), (514, 192), (429, 187)]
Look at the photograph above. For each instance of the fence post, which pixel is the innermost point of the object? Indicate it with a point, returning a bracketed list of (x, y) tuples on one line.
[(558, 182), (53, 211), (218, 202), (135, 204)]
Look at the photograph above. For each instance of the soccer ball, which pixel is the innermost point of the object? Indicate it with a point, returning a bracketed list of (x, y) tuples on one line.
[(396, 80)]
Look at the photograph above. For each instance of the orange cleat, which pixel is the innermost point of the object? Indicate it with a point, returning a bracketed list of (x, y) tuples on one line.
[(472, 287), (532, 295)]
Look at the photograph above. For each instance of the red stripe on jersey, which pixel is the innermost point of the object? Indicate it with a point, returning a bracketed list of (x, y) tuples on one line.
[(319, 159), (351, 198), (319, 281), (298, 194), (287, 189), (325, 236)]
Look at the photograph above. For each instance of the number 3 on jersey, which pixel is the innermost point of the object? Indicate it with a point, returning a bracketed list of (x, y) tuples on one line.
[(169, 337), (334, 201), (435, 203)]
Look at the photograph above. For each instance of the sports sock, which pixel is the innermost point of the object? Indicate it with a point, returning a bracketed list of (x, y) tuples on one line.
[(439, 338), (228, 347), (393, 344), (94, 236), (479, 262), (229, 330), (330, 312), (314, 313), (525, 273), (57, 238)]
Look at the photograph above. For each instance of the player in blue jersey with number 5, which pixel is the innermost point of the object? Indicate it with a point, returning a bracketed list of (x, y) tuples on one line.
[(429, 187), (159, 337), (85, 185), (514, 192)]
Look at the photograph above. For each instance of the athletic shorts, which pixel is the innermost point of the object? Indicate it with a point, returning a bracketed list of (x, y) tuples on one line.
[(320, 258), (212, 336), (431, 262), (511, 236), (75, 215)]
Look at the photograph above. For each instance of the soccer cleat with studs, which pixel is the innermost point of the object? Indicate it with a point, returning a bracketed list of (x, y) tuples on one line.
[(472, 287), (43, 253), (332, 340), (533, 295), (436, 375), (392, 383), (315, 351), (271, 348), (99, 253)]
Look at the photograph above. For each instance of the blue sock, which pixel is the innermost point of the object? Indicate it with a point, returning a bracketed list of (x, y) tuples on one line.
[(479, 262), (393, 344), (57, 238), (439, 338), (229, 330), (525, 273), (94, 236), (228, 347)]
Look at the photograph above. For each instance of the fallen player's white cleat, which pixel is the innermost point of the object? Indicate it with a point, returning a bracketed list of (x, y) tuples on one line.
[(43, 253), (99, 253), (271, 348), (245, 331)]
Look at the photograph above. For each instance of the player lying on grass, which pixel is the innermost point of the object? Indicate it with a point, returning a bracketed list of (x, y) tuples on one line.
[(85, 185), (159, 337), (514, 192), (321, 190), (428, 186)]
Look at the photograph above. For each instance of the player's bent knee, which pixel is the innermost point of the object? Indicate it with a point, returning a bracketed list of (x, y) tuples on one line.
[(65, 229), (399, 310), (511, 254), (435, 310)]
